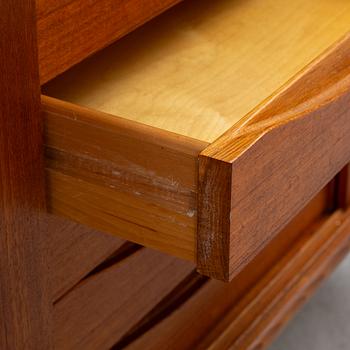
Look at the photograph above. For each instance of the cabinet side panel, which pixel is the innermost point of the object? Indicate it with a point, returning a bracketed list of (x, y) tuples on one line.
[(24, 292)]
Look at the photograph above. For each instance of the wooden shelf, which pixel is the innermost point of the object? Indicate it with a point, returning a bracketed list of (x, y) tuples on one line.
[(196, 70)]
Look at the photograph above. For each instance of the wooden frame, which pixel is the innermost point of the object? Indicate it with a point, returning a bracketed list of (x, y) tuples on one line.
[(26, 309)]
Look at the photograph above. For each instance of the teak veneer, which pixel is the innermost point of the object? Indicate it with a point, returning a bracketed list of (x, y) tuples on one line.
[(25, 304), (217, 133), (143, 298), (75, 250), (97, 312), (71, 30), (310, 114), (143, 158)]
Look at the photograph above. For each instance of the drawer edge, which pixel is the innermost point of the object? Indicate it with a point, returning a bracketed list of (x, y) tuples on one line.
[(259, 174), (121, 177)]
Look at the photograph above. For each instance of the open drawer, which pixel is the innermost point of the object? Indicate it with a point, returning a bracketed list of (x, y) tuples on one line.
[(205, 131)]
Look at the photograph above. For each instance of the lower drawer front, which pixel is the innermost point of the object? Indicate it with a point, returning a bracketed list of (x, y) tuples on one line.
[(75, 251), (257, 318), (140, 299), (108, 302)]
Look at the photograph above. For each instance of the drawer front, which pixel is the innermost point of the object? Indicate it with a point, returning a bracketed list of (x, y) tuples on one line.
[(259, 174)]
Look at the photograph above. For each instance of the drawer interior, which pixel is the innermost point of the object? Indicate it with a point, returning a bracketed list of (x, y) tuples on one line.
[(197, 70)]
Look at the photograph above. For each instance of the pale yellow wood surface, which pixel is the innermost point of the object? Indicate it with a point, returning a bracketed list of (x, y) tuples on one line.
[(199, 68)]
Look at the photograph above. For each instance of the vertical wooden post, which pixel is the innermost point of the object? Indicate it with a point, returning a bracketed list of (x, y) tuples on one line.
[(24, 293)]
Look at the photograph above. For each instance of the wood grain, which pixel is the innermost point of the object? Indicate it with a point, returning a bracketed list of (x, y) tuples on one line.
[(133, 181), (75, 250), (25, 308), (102, 308), (259, 174), (196, 70), (259, 316), (71, 30), (110, 185), (173, 331)]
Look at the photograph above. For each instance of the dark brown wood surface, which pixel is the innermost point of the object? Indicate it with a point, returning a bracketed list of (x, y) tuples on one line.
[(24, 293), (71, 30), (258, 175)]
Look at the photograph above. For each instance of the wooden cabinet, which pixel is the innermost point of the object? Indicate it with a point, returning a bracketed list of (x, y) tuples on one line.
[(196, 179)]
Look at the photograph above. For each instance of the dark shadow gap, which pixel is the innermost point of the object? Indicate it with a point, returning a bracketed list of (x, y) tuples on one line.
[(178, 296)]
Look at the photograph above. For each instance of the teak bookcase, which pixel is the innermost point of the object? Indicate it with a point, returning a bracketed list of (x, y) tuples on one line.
[(214, 138)]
